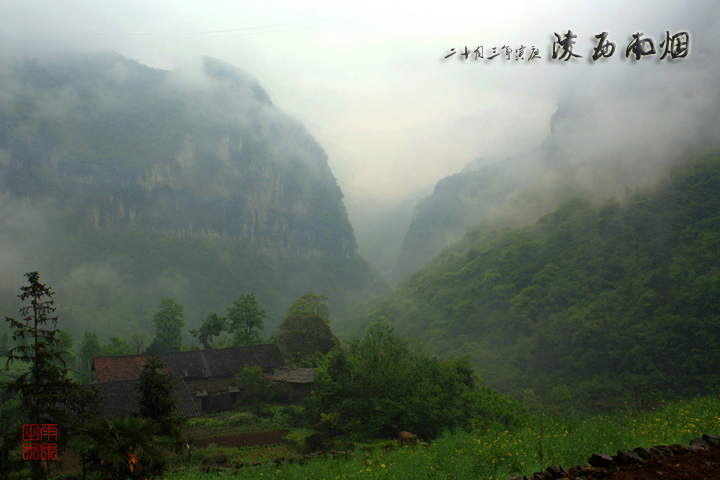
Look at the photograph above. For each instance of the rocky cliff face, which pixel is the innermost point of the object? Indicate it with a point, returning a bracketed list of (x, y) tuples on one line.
[(458, 203), (123, 184), (200, 151)]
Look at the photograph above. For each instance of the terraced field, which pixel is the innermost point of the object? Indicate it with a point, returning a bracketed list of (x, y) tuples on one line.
[(239, 437)]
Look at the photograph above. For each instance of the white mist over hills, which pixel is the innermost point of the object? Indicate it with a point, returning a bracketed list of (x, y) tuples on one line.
[(370, 83)]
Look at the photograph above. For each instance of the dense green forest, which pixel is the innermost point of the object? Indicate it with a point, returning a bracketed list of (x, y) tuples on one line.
[(588, 304)]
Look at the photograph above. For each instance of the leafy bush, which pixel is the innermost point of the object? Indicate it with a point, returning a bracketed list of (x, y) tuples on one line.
[(382, 386), (276, 416), (256, 388), (296, 438)]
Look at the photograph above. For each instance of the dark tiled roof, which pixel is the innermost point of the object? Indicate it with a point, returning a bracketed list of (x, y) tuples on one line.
[(119, 398), (113, 369), (219, 362), (294, 375)]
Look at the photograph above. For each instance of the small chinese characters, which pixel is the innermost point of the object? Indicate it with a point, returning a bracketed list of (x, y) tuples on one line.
[(33, 446), (673, 47), (506, 51)]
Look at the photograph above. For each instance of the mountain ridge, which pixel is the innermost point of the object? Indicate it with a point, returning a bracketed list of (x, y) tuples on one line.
[(101, 147)]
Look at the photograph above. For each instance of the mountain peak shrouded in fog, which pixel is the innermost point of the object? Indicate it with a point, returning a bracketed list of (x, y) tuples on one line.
[(223, 71), (99, 146), (196, 151)]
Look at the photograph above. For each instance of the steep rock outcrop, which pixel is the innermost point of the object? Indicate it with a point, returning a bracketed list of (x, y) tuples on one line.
[(199, 151)]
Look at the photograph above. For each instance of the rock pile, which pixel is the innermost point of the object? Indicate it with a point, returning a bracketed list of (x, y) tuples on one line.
[(603, 466)]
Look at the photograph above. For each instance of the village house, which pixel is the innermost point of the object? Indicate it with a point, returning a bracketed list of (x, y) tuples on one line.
[(206, 374), (294, 383), (120, 398)]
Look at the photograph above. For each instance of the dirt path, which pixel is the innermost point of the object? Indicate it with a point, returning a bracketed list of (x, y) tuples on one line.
[(697, 466)]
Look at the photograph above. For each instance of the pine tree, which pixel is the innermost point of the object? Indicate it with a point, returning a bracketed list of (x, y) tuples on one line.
[(156, 390), (49, 395)]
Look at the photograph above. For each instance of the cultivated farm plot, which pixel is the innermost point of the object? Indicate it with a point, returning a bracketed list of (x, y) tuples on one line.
[(204, 432), (249, 443), (241, 439)]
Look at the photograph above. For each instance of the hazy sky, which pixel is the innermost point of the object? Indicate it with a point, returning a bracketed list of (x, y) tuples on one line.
[(369, 79), (370, 83)]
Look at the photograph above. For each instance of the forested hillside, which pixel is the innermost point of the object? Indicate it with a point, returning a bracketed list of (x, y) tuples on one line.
[(587, 303), (123, 184), (459, 202), (571, 162)]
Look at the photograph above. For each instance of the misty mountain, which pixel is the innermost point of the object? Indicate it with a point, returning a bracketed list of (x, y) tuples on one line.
[(590, 298), (592, 151), (457, 203), (124, 183)]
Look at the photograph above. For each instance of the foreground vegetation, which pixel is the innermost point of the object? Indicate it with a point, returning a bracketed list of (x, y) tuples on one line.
[(496, 453)]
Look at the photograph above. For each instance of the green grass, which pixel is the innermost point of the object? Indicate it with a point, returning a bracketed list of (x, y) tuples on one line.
[(16, 368), (222, 420), (228, 456), (225, 431), (497, 454)]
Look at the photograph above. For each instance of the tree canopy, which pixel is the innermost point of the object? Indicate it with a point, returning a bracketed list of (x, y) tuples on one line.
[(169, 321), (137, 342), (255, 387), (246, 320), (310, 304), (591, 297), (378, 386), (211, 327), (91, 346), (304, 335)]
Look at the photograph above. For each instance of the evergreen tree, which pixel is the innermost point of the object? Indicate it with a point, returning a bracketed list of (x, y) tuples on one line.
[(49, 395), (156, 390), (4, 341)]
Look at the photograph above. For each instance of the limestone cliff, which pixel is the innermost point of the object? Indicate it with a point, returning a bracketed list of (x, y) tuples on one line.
[(123, 184), (199, 151)]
